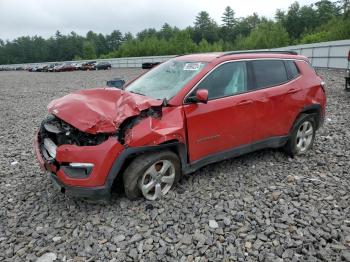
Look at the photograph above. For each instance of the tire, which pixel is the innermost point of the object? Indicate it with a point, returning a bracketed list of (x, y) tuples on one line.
[(302, 136), (147, 169)]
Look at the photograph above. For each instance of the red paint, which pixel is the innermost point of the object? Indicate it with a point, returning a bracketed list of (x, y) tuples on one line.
[(102, 156), (153, 131), (205, 128), (202, 95), (99, 110), (219, 125)]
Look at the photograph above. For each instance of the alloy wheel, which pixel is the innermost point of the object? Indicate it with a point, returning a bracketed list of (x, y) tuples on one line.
[(157, 180), (304, 136)]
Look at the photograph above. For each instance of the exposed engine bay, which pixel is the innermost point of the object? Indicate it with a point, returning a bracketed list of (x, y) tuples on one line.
[(55, 132), (61, 133)]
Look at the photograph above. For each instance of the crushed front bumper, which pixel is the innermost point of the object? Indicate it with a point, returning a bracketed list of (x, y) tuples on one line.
[(101, 192), (93, 185)]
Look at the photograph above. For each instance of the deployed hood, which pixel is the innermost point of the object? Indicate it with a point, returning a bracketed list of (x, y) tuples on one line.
[(100, 110)]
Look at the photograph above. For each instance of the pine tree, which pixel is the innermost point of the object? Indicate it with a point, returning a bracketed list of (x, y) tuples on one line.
[(205, 28), (228, 18)]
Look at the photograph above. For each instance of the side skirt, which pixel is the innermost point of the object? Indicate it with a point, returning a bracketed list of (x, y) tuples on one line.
[(274, 142)]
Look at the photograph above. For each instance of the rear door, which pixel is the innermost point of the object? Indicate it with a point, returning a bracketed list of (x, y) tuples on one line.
[(275, 97), (227, 120)]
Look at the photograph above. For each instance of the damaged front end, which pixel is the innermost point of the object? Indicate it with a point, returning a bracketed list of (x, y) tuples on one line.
[(74, 157), (55, 130), (54, 133), (129, 123), (89, 134)]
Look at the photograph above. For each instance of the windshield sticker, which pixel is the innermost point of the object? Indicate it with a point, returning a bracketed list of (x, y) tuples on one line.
[(192, 66)]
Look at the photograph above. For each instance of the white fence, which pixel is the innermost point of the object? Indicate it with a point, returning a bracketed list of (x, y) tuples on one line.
[(136, 61), (331, 54), (324, 55)]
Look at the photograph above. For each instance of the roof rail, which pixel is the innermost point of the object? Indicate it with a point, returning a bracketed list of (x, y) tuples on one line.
[(287, 52)]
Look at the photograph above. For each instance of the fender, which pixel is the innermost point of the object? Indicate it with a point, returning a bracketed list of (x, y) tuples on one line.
[(311, 109), (131, 152)]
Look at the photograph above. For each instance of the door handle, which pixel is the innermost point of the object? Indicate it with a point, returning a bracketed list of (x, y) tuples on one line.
[(244, 102), (292, 91)]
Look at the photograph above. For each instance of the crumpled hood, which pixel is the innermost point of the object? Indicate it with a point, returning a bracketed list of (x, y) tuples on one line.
[(100, 110)]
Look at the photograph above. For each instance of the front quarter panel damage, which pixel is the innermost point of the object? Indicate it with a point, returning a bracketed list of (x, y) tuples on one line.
[(154, 131), (100, 110)]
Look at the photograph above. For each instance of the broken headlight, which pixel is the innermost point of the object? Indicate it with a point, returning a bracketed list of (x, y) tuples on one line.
[(55, 131)]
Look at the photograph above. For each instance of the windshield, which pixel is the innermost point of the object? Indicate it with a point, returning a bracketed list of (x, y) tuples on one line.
[(165, 80)]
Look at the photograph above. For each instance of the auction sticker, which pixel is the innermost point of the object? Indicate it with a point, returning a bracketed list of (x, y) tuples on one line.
[(192, 66)]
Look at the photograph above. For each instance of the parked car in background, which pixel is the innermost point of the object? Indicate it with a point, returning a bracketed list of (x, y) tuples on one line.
[(79, 66), (148, 65), (88, 65), (116, 82), (67, 67), (35, 68), (186, 113), (102, 66), (45, 68), (40, 68), (57, 68), (51, 67)]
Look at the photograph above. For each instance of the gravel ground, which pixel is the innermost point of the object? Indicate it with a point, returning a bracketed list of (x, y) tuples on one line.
[(262, 206)]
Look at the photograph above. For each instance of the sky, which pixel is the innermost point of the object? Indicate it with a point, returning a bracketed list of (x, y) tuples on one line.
[(44, 17)]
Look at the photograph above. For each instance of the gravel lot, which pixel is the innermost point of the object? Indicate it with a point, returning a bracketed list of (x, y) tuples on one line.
[(260, 207)]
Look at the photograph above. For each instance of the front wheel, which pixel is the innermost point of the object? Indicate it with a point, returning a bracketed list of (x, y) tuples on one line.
[(152, 175), (302, 136)]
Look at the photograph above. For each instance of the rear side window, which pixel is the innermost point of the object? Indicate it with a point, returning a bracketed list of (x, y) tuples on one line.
[(292, 69), (269, 73)]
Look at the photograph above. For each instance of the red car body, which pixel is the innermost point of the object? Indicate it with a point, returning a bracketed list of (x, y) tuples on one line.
[(200, 133)]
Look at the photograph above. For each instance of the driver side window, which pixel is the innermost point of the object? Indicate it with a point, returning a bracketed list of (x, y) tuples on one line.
[(228, 79)]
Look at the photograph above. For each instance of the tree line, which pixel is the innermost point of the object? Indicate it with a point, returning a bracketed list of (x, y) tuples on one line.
[(322, 21)]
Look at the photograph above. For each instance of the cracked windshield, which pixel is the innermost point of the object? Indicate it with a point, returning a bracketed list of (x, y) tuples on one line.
[(166, 80)]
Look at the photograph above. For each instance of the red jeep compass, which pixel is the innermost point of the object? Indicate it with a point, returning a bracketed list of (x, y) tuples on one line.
[(183, 114)]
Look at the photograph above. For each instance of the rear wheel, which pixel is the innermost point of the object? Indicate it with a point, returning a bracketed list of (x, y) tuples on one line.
[(303, 135), (152, 175)]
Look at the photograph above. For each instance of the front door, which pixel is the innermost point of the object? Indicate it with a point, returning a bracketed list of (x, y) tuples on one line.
[(227, 120)]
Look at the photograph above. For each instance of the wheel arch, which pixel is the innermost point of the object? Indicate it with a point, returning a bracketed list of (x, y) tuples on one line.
[(314, 109), (115, 175)]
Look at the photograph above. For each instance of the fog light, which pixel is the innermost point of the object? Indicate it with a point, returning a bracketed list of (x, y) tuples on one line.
[(78, 170), (87, 165)]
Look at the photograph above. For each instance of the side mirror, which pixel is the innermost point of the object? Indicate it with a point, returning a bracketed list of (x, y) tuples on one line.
[(202, 95)]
